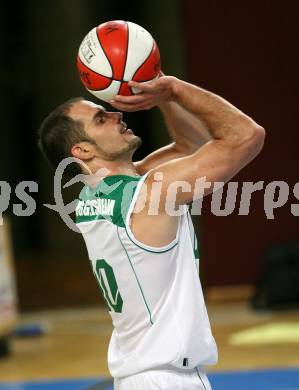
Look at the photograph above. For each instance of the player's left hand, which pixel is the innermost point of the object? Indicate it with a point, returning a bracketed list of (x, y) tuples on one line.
[(152, 93)]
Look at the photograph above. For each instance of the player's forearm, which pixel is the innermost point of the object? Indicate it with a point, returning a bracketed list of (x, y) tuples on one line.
[(188, 131), (225, 122)]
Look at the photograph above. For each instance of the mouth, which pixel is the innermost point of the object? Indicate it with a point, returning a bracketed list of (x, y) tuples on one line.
[(124, 128)]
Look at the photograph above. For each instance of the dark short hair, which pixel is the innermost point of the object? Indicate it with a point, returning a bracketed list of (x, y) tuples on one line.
[(58, 133)]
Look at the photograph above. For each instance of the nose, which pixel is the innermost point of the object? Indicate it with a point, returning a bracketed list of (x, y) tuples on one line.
[(118, 116)]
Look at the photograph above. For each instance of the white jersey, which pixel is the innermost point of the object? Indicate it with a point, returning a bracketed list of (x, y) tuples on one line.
[(154, 295)]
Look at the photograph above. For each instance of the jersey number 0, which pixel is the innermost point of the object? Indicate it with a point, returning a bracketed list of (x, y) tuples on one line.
[(107, 282)]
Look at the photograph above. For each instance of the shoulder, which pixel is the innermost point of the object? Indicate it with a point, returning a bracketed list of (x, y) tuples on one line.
[(110, 199)]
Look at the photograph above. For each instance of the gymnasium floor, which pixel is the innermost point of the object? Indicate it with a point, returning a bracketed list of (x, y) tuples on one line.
[(257, 351)]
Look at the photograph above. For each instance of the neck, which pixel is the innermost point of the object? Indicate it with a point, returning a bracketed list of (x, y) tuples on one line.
[(109, 168), (121, 168)]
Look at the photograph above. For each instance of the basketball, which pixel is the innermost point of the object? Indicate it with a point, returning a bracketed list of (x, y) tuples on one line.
[(114, 53)]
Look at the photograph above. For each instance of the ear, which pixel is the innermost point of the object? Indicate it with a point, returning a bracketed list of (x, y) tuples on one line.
[(83, 151)]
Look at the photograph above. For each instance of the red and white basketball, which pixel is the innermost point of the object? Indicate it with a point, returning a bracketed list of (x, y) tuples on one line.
[(114, 53)]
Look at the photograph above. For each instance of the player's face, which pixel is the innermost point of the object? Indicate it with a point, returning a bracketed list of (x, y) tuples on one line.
[(112, 137)]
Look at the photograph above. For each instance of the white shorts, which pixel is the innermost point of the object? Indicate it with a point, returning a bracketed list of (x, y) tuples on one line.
[(164, 380)]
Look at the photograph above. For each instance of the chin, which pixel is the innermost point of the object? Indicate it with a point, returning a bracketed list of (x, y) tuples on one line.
[(137, 141), (127, 152), (133, 144)]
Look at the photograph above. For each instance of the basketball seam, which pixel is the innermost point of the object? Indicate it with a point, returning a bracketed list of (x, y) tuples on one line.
[(125, 64), (106, 54), (142, 81), (109, 78)]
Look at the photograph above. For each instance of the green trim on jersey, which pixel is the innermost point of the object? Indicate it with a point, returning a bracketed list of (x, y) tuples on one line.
[(142, 293), (194, 240), (148, 250), (109, 200)]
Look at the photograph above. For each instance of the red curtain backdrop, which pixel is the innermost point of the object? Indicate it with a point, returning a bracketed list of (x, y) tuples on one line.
[(246, 52)]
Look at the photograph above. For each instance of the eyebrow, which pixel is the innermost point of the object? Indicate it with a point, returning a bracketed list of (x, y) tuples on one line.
[(99, 113)]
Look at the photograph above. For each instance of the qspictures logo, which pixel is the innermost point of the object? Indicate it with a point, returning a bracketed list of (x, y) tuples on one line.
[(236, 197)]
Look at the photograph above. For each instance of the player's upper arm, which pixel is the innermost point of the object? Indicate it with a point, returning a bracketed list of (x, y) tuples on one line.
[(216, 161), (160, 156)]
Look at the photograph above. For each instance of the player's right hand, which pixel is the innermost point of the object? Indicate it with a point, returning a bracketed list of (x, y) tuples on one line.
[(152, 93)]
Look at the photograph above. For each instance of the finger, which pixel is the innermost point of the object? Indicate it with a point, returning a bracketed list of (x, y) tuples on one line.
[(128, 99), (131, 107), (134, 84), (137, 107), (141, 108), (144, 87), (126, 107), (117, 106), (123, 106)]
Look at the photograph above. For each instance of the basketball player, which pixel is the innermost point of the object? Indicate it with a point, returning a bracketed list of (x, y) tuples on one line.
[(143, 251)]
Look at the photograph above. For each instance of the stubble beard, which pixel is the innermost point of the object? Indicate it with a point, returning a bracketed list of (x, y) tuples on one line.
[(126, 153)]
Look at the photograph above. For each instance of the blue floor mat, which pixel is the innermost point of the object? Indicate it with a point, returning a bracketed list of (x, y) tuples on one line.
[(282, 379)]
